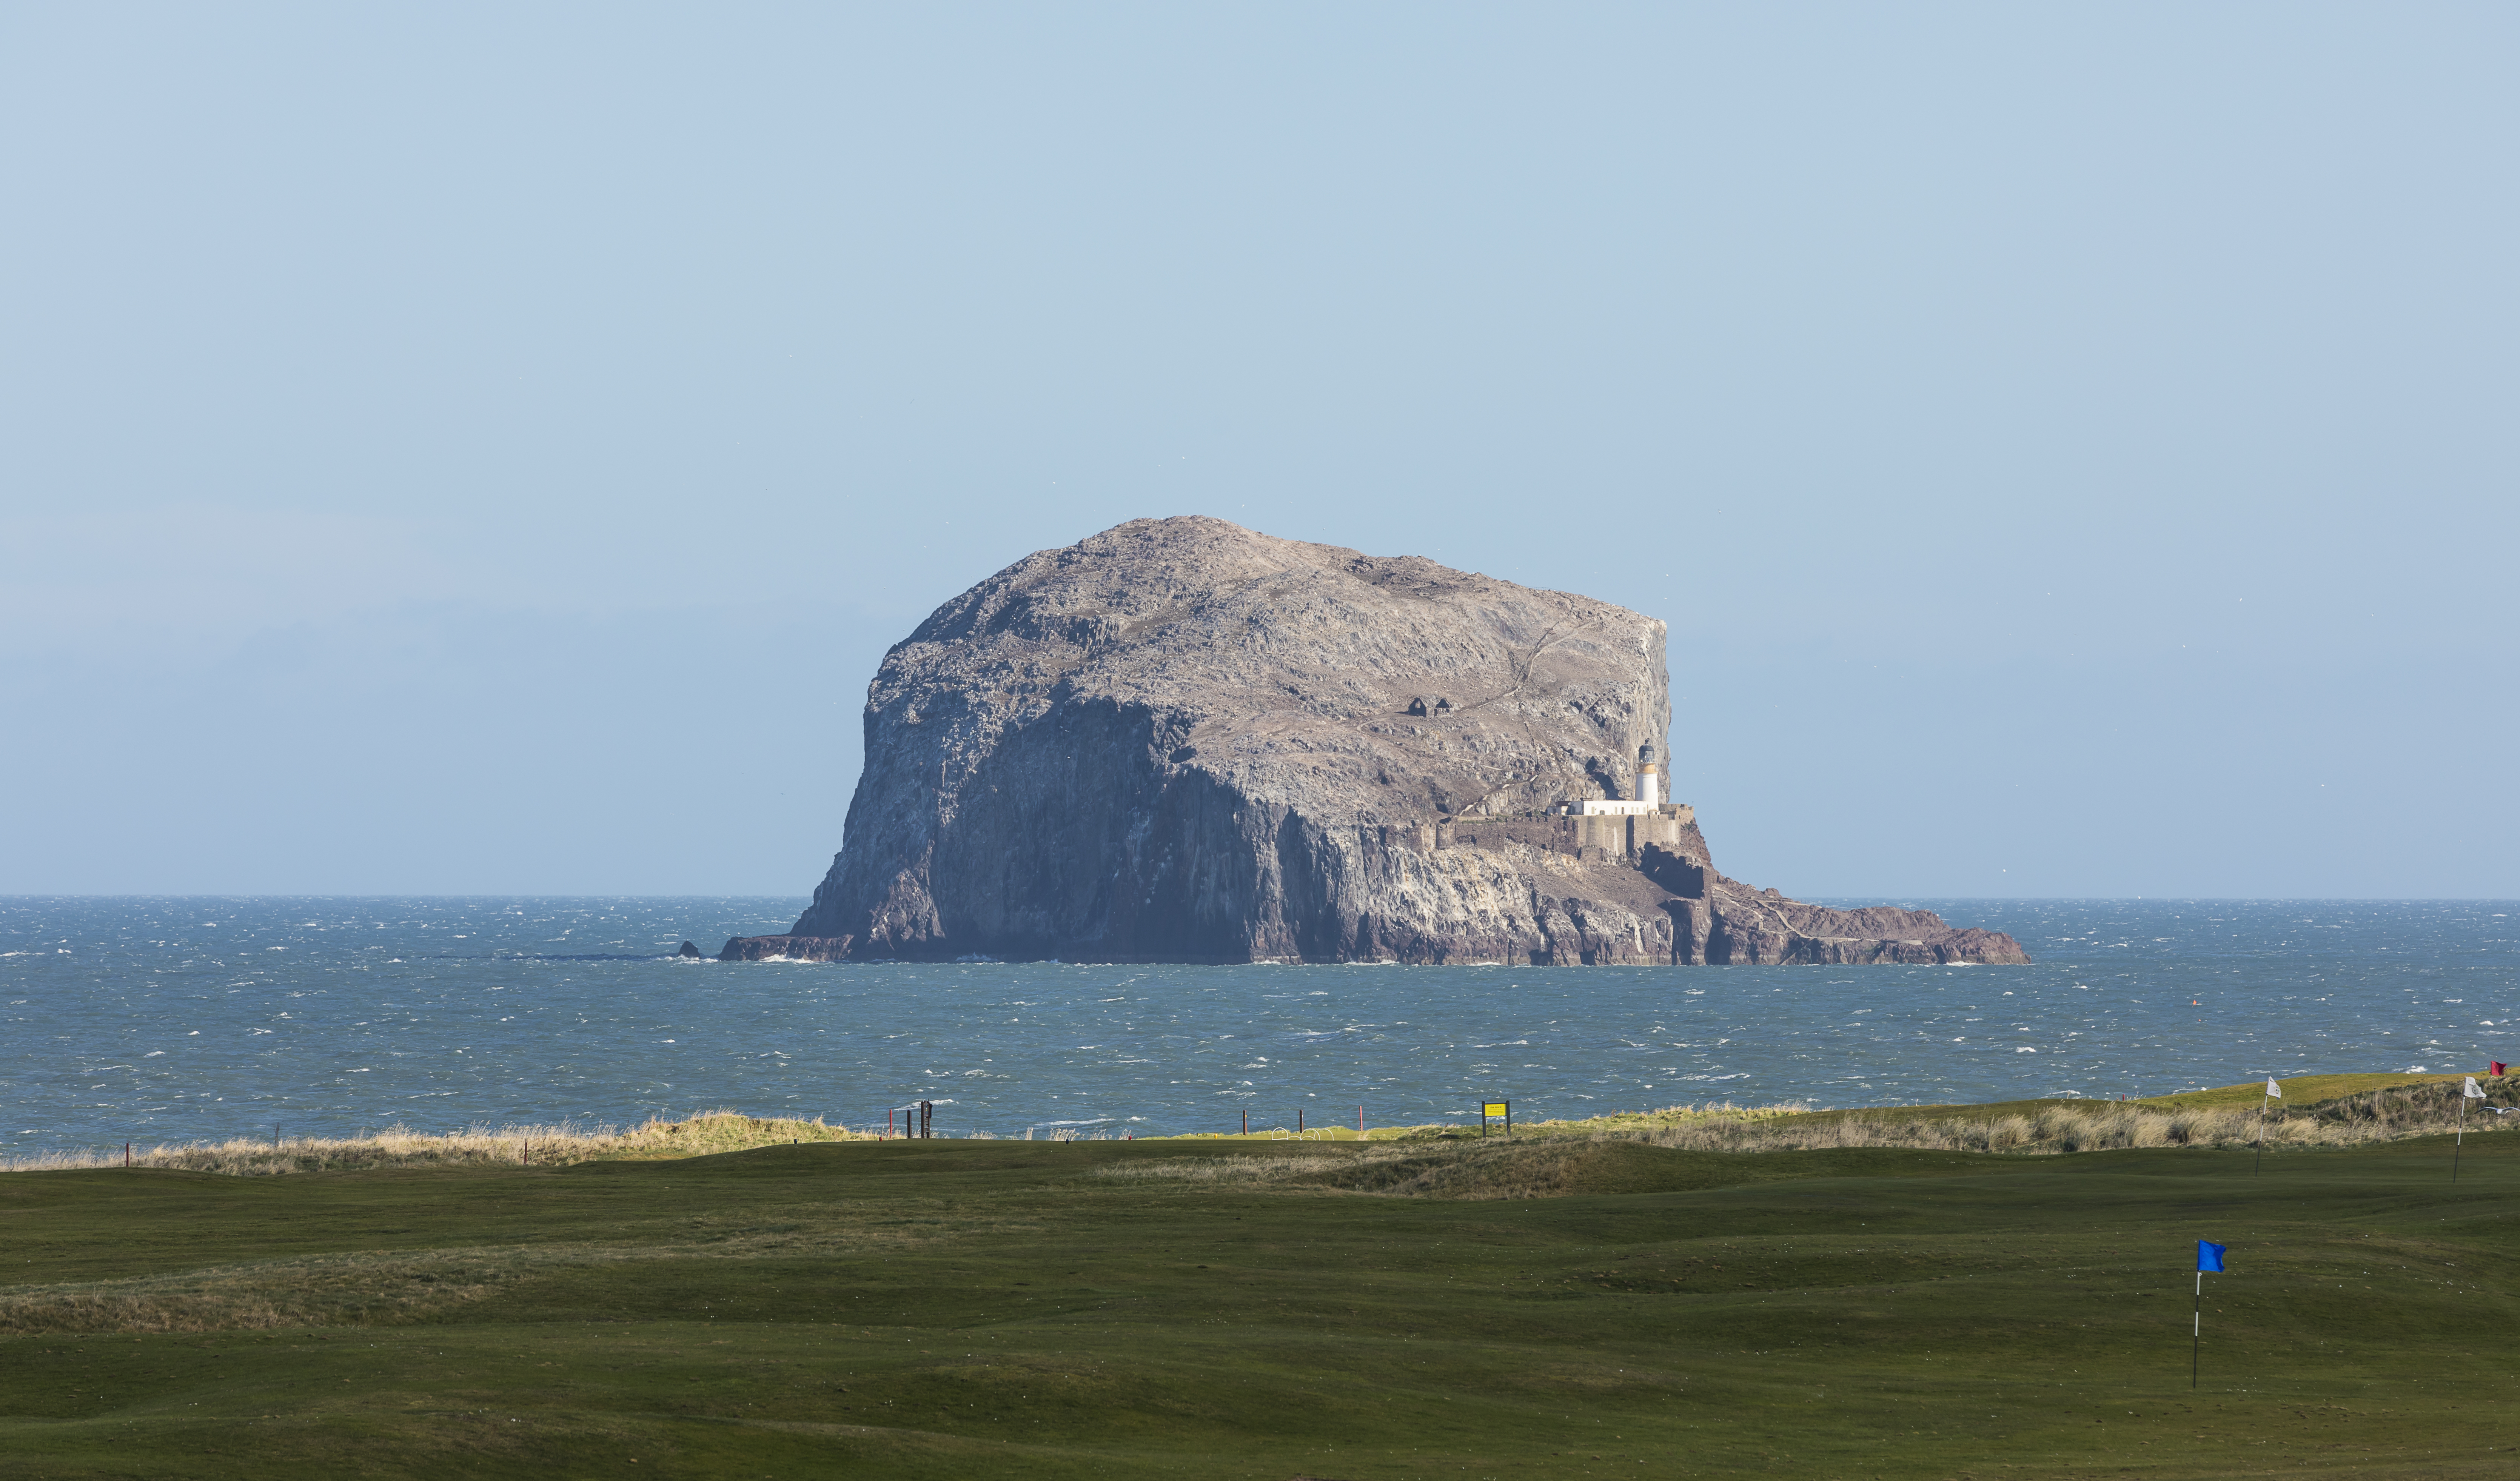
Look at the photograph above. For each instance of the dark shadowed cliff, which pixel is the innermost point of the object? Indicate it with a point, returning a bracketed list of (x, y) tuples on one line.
[(1180, 740)]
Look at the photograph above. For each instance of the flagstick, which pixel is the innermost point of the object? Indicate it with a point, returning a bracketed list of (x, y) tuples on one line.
[(2262, 1152), (2197, 1352), (2461, 1138)]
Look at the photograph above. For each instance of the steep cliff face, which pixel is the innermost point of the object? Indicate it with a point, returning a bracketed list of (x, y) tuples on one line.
[(1180, 740)]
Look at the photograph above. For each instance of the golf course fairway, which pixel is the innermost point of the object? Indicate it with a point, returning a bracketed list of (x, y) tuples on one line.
[(1179, 1309)]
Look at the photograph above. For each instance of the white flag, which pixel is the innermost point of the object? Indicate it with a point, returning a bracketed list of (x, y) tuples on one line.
[(2473, 1092), (2273, 1089)]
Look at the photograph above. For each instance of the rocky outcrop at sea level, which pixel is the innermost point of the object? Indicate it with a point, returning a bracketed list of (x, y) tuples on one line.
[(1182, 741)]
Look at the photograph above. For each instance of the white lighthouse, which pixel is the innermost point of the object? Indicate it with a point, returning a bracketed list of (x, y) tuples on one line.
[(1648, 792)]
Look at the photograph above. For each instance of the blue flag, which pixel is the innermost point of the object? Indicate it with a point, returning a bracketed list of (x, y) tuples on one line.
[(2209, 1255)]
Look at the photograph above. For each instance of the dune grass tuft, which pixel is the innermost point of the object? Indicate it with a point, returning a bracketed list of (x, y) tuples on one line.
[(555, 1144), (2052, 1127), (1546, 1158)]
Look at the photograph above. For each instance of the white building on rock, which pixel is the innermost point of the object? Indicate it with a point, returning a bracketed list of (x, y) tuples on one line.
[(1647, 800)]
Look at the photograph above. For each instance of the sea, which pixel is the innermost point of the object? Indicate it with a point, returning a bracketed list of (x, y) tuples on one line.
[(167, 1021)]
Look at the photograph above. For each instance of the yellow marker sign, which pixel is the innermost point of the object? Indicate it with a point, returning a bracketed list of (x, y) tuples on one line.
[(1495, 1108)]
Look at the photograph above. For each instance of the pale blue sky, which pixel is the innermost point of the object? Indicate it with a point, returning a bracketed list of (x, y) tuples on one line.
[(489, 448)]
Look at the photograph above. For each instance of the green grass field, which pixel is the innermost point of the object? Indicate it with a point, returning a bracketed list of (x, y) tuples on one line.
[(978, 1309)]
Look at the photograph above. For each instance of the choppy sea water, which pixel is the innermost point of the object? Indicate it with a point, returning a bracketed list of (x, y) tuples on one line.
[(174, 1020)]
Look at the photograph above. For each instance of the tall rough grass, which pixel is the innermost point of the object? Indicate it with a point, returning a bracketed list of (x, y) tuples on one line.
[(1716, 1126), (1559, 1156), (1710, 1110), (2383, 1115), (548, 1146)]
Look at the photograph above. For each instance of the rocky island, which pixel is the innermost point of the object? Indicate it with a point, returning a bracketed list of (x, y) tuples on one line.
[(1183, 740)]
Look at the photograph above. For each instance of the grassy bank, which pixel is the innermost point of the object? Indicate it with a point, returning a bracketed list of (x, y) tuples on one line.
[(2322, 1110), (2317, 1110), (553, 1145), (1569, 1305)]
